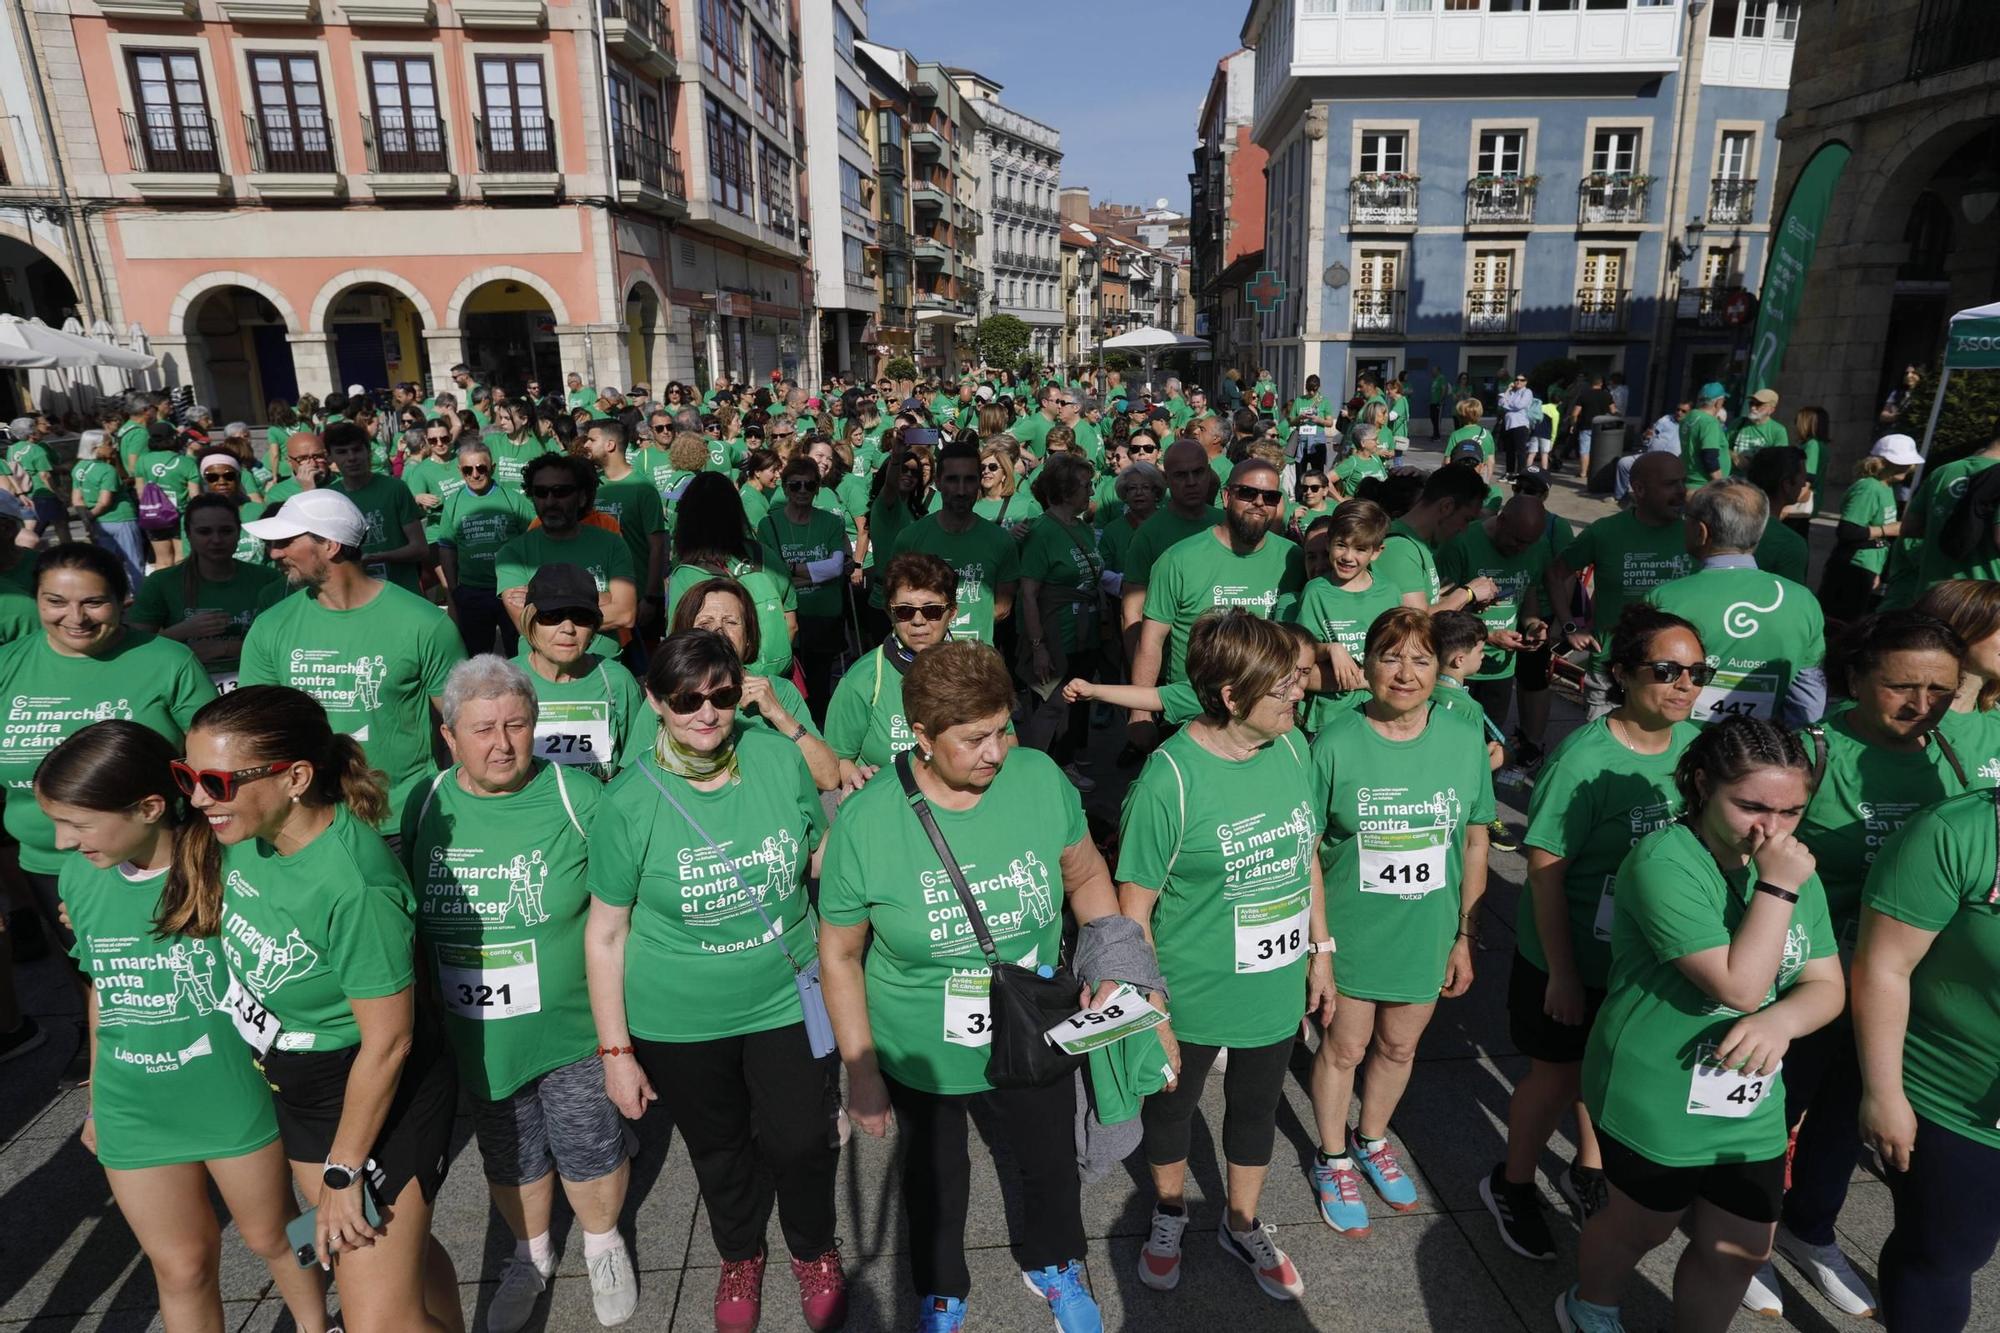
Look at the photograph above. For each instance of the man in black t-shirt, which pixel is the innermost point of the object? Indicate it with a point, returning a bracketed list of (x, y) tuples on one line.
[(1592, 404)]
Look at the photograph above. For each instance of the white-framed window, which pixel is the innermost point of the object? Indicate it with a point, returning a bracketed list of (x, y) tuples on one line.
[(1733, 154), (1615, 150), (1503, 152), (1718, 266), (1384, 151)]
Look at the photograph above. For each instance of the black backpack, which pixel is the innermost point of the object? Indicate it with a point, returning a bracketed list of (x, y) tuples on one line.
[(1969, 527)]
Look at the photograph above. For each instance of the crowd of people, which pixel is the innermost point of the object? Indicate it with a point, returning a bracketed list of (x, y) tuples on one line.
[(527, 752)]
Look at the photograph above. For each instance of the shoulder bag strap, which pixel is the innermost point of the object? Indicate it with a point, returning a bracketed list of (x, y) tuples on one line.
[(1950, 753), (756, 899), (922, 809), (1818, 735), (1993, 894)]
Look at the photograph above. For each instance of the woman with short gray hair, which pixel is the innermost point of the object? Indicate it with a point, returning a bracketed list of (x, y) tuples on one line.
[(496, 847)]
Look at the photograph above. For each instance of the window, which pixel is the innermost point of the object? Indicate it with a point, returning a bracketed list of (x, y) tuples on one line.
[(174, 130), (852, 114), (1615, 151), (1377, 270), (1603, 270), (1492, 270), (728, 158), (1733, 154), (518, 134), (292, 132), (771, 79), (851, 188), (1785, 21), (408, 134), (1503, 152), (1718, 266), (854, 252), (722, 43), (774, 181), (1383, 151), (843, 33)]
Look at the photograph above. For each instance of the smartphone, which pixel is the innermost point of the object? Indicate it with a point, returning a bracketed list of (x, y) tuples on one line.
[(919, 435), (299, 1231)]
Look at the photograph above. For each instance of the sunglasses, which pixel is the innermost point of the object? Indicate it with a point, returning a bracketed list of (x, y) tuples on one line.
[(551, 492), (1666, 673), (220, 474), (724, 698), (989, 467), (1257, 495), (221, 784), (905, 612), (1310, 489), (436, 439), (475, 470), (801, 487), (580, 618)]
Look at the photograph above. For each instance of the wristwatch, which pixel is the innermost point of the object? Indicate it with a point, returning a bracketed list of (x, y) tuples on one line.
[(1571, 627), (338, 1177), (1320, 946)]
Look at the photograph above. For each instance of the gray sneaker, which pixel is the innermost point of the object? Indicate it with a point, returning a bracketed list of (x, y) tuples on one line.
[(614, 1289), (521, 1285), (1829, 1271)]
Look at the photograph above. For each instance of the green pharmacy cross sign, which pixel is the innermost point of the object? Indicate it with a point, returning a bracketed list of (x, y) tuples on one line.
[(1266, 293)]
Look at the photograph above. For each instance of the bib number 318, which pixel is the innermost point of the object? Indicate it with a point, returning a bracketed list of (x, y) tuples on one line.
[(1271, 935)]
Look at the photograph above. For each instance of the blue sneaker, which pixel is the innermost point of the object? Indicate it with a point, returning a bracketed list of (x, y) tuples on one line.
[(1576, 1315), (1385, 1172), (940, 1314), (1338, 1186), (1069, 1300)]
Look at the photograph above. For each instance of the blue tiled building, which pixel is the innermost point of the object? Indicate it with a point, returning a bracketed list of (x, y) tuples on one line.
[(1467, 187)]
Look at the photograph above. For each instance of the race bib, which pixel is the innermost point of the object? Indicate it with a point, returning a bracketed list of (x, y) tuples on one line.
[(1729, 1093), (224, 681), (1271, 935), (253, 1022), (1123, 1014), (1405, 862), (488, 981), (1607, 910), (968, 1008), (1738, 694), (576, 731)]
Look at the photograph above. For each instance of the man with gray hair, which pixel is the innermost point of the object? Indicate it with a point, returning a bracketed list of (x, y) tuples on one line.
[(134, 435), (1704, 444), (1764, 633), (28, 457)]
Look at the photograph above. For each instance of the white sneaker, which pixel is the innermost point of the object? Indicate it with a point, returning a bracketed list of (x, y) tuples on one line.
[(1160, 1259), (614, 1291), (1828, 1270), (521, 1285), (1761, 1297)]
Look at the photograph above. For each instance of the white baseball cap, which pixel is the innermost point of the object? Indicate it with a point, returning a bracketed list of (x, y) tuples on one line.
[(356, 391), (1898, 449), (323, 513)]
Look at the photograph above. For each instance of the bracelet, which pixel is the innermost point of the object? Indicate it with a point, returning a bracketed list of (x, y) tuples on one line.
[(800, 733), (1782, 895), (1472, 935), (615, 1050)]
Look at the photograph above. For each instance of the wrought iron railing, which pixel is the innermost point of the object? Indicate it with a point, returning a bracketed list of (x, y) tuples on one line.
[(171, 139)]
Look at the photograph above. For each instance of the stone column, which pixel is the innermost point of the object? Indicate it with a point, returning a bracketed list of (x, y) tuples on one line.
[(313, 363), (446, 348)]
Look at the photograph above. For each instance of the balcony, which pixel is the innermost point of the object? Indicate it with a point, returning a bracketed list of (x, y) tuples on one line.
[(924, 87), (638, 31), (930, 250), (293, 156), (894, 238), (1601, 312), (407, 157), (1382, 199), (649, 172), (1612, 198), (926, 195), (1379, 310), (896, 315), (517, 157), (1500, 201), (928, 143), (1951, 34), (1732, 201), (1729, 307), (1492, 312), (147, 9), (393, 13), (780, 218), (501, 13), (270, 11), (174, 154)]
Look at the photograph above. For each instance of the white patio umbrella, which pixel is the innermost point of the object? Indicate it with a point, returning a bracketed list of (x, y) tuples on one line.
[(1149, 342), (27, 343)]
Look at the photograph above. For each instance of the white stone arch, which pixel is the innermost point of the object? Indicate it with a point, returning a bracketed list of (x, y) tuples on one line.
[(362, 277), (192, 294), (641, 278), (61, 261), (454, 314)]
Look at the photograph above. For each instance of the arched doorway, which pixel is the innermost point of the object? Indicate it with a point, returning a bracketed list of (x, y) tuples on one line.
[(33, 287), (238, 342), (642, 332), (510, 335), (377, 337)]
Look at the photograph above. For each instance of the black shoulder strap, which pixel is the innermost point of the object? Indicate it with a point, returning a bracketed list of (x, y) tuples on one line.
[(1993, 894), (922, 809), (1950, 753), (1818, 735)]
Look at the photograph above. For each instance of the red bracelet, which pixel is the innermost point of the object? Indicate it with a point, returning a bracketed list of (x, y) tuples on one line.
[(615, 1050)]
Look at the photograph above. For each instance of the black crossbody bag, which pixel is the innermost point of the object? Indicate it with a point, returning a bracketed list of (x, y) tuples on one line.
[(1024, 1003)]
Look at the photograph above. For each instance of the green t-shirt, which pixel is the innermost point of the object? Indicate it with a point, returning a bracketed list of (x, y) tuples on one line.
[(385, 502), (1064, 560), (1228, 846), (511, 457), (770, 588), (90, 479), (986, 559), (726, 455), (1114, 540), (170, 470), (477, 525), (501, 903), (1399, 423), (1395, 815), (1335, 614), (1472, 432), (889, 517), (134, 438), (1940, 495), (1783, 552), (163, 602), (1701, 431), (700, 964), (1630, 559), (1313, 404), (274, 440), (1750, 436), (171, 1082), (1009, 510), (1354, 469), (1032, 431), (658, 466), (306, 933), (864, 719), (603, 553), (1869, 503), (34, 460), (1866, 793), (756, 504), (1642, 1073), (1163, 530), (1407, 563), (1937, 875), (929, 987), (640, 514), (1594, 800), (596, 723), (433, 476), (820, 537), (141, 678), (1203, 573), (1474, 554), (374, 669), (250, 551), (1976, 738), (1760, 631)]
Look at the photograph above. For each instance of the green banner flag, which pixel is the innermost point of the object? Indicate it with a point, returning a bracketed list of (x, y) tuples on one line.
[(1792, 246)]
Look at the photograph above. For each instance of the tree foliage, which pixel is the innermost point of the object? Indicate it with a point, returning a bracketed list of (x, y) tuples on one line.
[(1969, 421), (1002, 339), (900, 368)]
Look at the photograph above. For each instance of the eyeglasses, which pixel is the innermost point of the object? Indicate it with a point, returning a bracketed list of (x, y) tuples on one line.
[(930, 612), (436, 439), (1290, 685), (558, 492), (1666, 673), (475, 469), (1257, 495), (565, 616), (221, 784), (800, 486), (1311, 489), (297, 459), (724, 698), (1144, 449), (220, 474), (989, 467)]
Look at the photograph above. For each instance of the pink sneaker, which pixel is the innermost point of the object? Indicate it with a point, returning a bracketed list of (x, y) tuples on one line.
[(822, 1291), (739, 1295)]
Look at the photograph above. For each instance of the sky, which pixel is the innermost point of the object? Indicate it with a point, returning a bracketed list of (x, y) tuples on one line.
[(1123, 80)]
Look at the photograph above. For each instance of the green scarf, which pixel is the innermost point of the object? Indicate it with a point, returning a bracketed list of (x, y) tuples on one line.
[(679, 760)]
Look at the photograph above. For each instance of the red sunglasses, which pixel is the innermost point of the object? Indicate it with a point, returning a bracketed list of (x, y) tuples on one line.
[(221, 784)]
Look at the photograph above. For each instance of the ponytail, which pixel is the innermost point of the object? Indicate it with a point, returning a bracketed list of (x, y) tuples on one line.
[(191, 904), (1731, 749), (275, 723), (362, 789)]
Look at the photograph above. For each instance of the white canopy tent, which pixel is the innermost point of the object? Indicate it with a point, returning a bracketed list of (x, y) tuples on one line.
[(1971, 342), (1149, 342)]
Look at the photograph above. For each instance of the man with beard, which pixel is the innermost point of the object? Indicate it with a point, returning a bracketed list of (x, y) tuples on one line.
[(396, 547), (1186, 512), (375, 655), (562, 488), (1237, 562), (983, 552), (312, 467)]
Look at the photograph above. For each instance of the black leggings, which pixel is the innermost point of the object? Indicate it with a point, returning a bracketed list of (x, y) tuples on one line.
[(1946, 1229), (1076, 724), (1823, 1075), (1251, 1088), (1035, 1128), (758, 1115), (819, 644)]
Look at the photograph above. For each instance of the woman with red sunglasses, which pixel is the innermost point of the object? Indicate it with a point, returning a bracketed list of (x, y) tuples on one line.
[(864, 720), (318, 929)]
